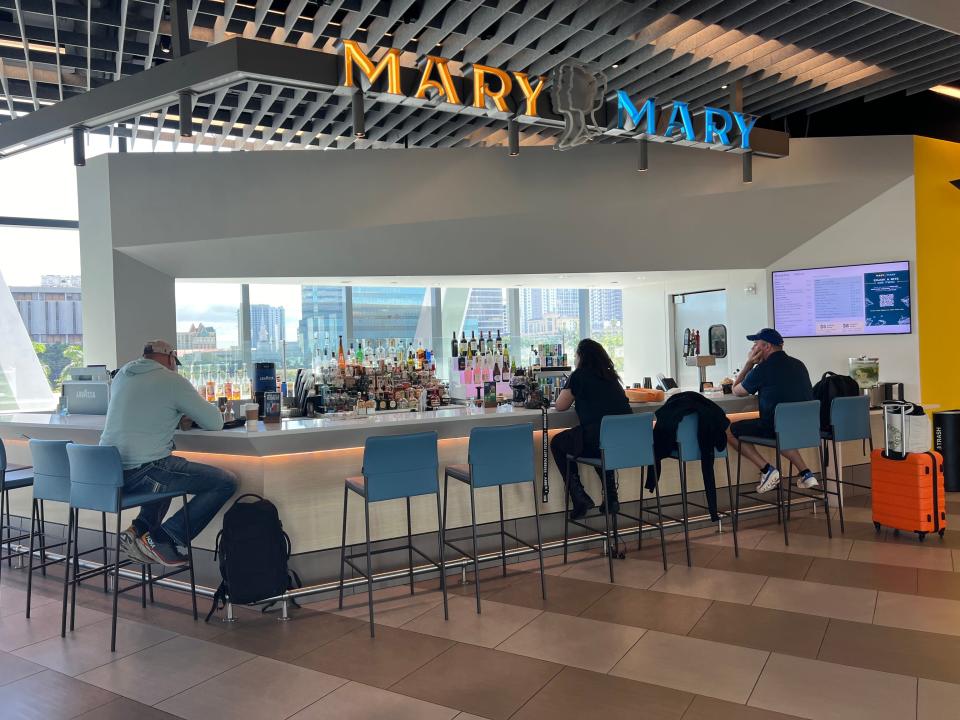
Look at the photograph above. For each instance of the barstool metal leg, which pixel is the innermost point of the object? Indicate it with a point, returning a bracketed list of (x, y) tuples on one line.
[(566, 511), (193, 580), (643, 474), (784, 511), (343, 543), (34, 511), (66, 574), (663, 539), (116, 592), (683, 504), (410, 545), (143, 586), (826, 498), (736, 494), (503, 538), (443, 551), (43, 541), (733, 515), (476, 555), (836, 473), (608, 543), (536, 517), (366, 523), (103, 538), (76, 569)]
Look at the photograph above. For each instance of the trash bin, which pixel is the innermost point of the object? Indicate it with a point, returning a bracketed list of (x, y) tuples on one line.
[(946, 441)]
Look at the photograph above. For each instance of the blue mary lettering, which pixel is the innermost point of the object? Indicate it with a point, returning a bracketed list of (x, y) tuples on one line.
[(712, 132), (626, 110), (680, 111), (745, 125)]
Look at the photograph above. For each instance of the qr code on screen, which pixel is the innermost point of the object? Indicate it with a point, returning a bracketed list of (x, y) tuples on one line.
[(886, 300)]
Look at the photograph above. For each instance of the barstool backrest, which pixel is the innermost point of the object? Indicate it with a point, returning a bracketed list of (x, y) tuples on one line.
[(96, 476), (3, 457), (397, 466), (797, 425), (627, 440), (850, 418), (688, 440), (501, 455), (51, 470)]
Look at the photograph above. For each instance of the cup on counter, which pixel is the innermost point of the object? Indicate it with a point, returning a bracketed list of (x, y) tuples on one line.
[(251, 411), (727, 388)]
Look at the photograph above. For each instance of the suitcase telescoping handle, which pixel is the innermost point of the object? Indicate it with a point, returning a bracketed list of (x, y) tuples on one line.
[(895, 409)]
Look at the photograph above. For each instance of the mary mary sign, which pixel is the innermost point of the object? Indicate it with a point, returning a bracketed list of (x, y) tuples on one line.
[(719, 127)]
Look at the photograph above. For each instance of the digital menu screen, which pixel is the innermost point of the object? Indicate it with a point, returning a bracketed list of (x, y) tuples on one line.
[(845, 300)]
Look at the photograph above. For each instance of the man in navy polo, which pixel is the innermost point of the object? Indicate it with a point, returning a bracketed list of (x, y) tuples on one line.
[(776, 378)]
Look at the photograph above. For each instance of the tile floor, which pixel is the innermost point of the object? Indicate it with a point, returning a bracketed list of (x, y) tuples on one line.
[(866, 625)]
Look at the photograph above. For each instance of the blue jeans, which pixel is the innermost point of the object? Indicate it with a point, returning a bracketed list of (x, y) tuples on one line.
[(211, 488)]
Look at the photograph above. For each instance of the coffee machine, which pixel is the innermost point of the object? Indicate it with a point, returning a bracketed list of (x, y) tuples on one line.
[(264, 380)]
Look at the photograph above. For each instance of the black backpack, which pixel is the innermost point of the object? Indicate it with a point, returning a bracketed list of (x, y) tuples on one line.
[(829, 387), (253, 551)]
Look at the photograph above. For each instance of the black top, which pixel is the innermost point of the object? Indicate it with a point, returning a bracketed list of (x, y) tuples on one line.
[(780, 378), (596, 397)]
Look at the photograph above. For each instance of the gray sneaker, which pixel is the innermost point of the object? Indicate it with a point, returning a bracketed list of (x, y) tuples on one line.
[(129, 545), (162, 553)]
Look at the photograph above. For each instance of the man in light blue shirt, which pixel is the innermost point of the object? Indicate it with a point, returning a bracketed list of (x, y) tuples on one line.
[(148, 401)]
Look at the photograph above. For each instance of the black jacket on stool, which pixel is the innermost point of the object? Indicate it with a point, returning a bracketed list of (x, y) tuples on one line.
[(711, 434)]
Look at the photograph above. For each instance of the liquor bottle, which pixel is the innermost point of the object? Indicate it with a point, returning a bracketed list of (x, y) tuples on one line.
[(481, 344), (534, 358), (490, 345), (496, 372), (467, 371), (499, 344), (228, 386), (211, 395), (463, 342), (472, 347), (411, 360), (235, 388), (454, 346), (358, 358), (698, 342), (462, 361), (341, 360), (326, 344), (506, 354), (421, 361)]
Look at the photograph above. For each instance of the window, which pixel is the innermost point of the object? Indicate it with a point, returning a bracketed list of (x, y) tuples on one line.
[(606, 322), (549, 316), (40, 314), (208, 329)]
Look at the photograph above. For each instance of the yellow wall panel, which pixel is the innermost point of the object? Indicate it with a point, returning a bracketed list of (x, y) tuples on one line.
[(936, 162)]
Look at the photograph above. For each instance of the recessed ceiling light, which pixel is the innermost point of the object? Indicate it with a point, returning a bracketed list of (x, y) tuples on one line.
[(723, 87), (614, 282), (615, 66)]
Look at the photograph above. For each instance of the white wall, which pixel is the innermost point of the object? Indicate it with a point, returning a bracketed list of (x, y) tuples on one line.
[(647, 310), (883, 229)]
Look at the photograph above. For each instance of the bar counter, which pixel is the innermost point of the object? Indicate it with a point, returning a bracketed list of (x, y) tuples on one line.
[(300, 465)]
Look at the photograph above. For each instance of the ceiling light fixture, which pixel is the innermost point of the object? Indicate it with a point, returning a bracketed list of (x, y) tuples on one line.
[(615, 66), (643, 162), (513, 137), (359, 121), (748, 167), (724, 87), (947, 90)]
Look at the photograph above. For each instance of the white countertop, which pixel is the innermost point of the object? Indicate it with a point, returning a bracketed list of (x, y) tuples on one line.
[(313, 434)]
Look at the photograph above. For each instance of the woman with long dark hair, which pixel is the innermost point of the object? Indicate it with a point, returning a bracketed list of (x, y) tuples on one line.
[(595, 390)]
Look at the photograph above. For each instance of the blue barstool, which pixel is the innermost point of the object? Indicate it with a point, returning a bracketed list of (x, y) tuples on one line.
[(849, 421), (51, 472), (796, 427), (496, 456), (11, 478), (688, 450), (96, 483), (626, 441), (394, 467)]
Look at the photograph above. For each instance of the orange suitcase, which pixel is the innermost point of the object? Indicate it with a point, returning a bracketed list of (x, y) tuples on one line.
[(908, 494)]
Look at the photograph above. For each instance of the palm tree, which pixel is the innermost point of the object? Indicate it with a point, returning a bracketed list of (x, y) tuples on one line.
[(74, 357)]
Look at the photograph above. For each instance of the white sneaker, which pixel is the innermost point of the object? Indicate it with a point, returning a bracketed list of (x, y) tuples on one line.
[(769, 480), (809, 482)]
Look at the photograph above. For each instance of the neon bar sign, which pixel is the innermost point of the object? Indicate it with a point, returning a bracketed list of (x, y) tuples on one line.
[(435, 78), (718, 125)]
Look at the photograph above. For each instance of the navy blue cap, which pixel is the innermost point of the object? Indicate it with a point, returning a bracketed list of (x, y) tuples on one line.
[(768, 335)]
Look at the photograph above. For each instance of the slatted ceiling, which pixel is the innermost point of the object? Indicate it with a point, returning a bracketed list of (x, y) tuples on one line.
[(790, 55)]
